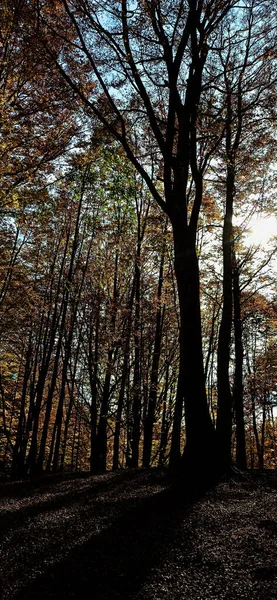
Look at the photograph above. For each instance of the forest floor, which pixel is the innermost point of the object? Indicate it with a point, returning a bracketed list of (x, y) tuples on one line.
[(128, 535)]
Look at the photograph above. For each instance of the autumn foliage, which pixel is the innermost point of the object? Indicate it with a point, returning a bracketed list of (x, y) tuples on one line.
[(137, 322)]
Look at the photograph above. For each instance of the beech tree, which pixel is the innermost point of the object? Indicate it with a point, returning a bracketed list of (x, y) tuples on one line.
[(34, 130), (105, 316), (247, 84), (144, 84)]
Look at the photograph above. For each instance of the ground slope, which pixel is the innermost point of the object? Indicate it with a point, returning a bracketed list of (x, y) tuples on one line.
[(130, 536)]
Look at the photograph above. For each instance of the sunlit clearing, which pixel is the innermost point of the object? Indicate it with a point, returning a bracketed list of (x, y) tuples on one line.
[(261, 230)]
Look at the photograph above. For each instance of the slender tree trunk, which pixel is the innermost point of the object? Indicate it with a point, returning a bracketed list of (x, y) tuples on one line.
[(210, 352), (56, 437), (234, 119), (238, 383), (175, 449), (125, 370), (32, 394), (17, 465), (152, 402), (51, 449), (59, 413), (71, 388), (165, 420), (93, 370), (66, 424), (255, 428), (134, 412), (133, 459), (262, 445), (10, 270), (74, 440), (49, 402), (225, 401), (78, 444), (101, 439), (50, 327)]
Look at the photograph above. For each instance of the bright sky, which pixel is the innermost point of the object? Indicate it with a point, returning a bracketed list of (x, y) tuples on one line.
[(261, 230)]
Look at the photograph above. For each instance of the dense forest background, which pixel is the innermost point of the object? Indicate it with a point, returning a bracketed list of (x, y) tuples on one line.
[(135, 137)]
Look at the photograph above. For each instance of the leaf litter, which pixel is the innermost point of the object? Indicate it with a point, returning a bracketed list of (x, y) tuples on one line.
[(130, 535)]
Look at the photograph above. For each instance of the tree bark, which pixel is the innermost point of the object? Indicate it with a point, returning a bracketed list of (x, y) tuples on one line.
[(152, 402), (123, 380), (225, 400), (134, 432), (238, 383), (200, 434), (101, 437)]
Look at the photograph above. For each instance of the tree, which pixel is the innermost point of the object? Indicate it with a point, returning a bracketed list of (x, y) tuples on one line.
[(247, 81), (99, 286), (260, 347), (33, 133), (158, 54)]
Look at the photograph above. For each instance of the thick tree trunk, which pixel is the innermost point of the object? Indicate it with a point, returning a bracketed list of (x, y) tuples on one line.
[(200, 435)]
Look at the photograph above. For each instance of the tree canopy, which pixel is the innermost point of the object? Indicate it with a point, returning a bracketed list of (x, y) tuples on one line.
[(137, 141)]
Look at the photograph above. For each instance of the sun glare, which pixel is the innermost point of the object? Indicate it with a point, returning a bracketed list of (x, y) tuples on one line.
[(261, 230)]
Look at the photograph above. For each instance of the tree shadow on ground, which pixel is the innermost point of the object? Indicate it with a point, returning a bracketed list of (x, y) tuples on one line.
[(115, 563), (45, 494)]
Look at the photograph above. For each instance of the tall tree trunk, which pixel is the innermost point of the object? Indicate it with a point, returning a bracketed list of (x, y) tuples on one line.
[(17, 467), (234, 120), (134, 432), (134, 412), (93, 371), (175, 449), (200, 435), (152, 402), (101, 439), (225, 401), (32, 395), (166, 419), (71, 388), (59, 413), (50, 328), (224, 408), (238, 383), (255, 428), (125, 370), (262, 446), (56, 437), (49, 401)]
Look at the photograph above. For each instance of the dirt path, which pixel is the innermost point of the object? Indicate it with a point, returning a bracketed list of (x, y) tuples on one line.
[(127, 536)]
